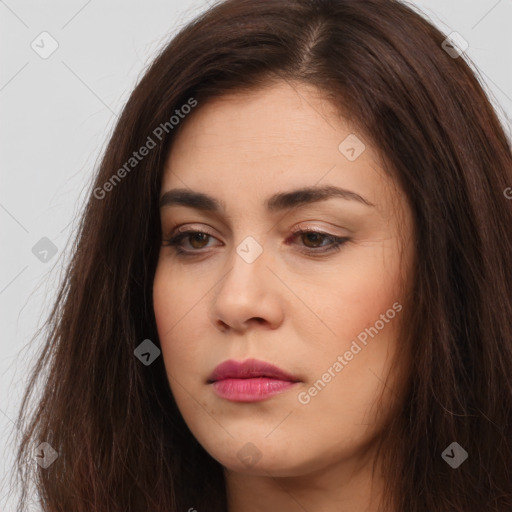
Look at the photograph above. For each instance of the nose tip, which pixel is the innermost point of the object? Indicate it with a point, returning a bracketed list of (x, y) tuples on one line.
[(247, 295)]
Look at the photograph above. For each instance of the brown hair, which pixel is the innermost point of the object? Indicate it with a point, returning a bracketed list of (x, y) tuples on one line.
[(121, 441)]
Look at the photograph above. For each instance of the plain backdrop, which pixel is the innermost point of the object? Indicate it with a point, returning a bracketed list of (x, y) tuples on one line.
[(58, 112)]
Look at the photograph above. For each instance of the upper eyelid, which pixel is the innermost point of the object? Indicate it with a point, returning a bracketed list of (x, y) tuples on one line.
[(191, 230), (301, 226)]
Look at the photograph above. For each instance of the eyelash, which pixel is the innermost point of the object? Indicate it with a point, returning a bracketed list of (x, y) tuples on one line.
[(174, 242)]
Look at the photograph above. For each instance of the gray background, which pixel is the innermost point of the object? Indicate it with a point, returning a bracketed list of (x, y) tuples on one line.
[(57, 114)]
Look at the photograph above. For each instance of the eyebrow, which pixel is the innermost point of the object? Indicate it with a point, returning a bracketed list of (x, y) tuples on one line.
[(277, 202)]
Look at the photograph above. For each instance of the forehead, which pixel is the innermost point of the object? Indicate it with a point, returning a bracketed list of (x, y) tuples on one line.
[(276, 138)]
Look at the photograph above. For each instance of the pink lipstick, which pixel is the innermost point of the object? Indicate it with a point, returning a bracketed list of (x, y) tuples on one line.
[(249, 381)]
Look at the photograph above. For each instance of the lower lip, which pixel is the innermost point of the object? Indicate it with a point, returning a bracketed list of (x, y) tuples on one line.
[(250, 390)]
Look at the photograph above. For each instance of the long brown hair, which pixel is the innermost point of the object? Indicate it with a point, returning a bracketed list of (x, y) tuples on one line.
[(121, 441)]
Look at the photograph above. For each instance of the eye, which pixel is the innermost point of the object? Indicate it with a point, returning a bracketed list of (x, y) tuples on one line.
[(312, 240), (196, 239)]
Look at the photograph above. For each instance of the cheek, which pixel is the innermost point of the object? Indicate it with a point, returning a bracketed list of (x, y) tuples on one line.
[(365, 285), (362, 312), (176, 297), (166, 307), (175, 308)]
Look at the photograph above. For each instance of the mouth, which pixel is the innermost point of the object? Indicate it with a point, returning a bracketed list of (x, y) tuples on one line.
[(250, 380)]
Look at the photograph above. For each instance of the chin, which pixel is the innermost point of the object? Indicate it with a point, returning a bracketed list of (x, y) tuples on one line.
[(262, 459)]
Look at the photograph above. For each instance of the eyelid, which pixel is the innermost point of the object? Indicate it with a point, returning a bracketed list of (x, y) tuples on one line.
[(189, 227), (182, 232), (316, 229), (185, 228)]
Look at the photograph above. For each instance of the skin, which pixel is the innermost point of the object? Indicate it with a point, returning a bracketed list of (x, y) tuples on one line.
[(294, 309)]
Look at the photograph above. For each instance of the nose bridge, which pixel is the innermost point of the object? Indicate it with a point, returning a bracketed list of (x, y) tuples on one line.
[(248, 265), (248, 290), (250, 239)]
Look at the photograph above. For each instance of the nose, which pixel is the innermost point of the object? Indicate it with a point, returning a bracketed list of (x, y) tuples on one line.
[(249, 295)]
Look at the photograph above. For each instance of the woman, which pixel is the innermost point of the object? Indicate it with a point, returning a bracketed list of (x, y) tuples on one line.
[(291, 287)]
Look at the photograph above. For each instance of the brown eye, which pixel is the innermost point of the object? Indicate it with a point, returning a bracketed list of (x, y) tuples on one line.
[(312, 241), (200, 238), (313, 238), (196, 240)]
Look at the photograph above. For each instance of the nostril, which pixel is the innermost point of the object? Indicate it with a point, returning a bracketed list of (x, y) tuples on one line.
[(223, 325)]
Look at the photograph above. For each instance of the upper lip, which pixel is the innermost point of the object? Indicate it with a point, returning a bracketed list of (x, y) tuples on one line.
[(250, 368)]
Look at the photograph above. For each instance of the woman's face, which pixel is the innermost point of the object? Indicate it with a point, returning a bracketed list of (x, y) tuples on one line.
[(251, 288)]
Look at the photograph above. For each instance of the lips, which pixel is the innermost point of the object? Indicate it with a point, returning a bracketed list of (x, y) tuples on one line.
[(249, 369), (250, 380)]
